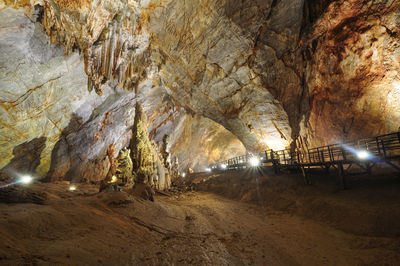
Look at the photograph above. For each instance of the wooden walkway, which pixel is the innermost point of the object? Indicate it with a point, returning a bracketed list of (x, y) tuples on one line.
[(364, 153)]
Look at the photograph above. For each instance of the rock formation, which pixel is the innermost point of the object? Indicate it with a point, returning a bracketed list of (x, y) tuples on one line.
[(125, 167), (352, 71), (219, 77), (141, 149), (164, 153)]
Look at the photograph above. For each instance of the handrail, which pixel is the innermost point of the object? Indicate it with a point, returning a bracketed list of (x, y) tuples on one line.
[(381, 147)]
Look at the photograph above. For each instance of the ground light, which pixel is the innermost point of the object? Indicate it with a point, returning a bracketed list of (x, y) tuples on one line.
[(113, 179), (183, 174), (223, 166), (208, 169), (26, 179), (362, 155), (254, 162), (72, 188)]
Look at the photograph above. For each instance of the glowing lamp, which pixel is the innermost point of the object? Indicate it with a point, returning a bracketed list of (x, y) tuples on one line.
[(114, 179), (183, 174), (208, 169), (362, 155), (72, 188), (26, 179), (254, 161), (223, 166)]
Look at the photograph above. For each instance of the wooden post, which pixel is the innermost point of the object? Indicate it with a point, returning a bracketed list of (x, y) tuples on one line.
[(369, 168), (383, 148), (377, 144), (284, 157), (319, 156), (327, 166), (342, 176), (343, 154), (305, 176), (276, 167), (331, 158)]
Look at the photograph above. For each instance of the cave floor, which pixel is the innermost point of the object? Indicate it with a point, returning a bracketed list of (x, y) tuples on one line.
[(89, 228)]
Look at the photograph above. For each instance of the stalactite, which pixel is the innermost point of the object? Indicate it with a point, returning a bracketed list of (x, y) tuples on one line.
[(109, 60), (90, 84), (117, 54), (98, 90), (110, 55), (123, 75), (103, 57), (119, 75)]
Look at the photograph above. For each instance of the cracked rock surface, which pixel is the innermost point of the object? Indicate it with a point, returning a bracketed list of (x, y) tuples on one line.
[(218, 77), (53, 126)]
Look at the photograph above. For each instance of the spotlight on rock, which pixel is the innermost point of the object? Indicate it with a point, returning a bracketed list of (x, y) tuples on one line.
[(363, 155), (26, 179), (254, 162), (114, 179)]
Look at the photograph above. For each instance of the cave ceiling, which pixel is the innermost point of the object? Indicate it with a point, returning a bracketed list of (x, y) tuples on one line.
[(218, 77)]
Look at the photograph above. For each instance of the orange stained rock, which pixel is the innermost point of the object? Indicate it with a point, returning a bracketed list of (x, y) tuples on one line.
[(74, 4)]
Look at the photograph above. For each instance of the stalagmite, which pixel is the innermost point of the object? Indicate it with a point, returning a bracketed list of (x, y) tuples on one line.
[(141, 150)]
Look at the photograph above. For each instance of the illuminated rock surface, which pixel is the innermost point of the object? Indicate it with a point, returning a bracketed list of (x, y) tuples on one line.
[(45, 97), (219, 77), (215, 79), (352, 72)]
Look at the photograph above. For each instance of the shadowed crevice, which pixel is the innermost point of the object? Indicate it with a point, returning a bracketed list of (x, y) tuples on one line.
[(26, 157)]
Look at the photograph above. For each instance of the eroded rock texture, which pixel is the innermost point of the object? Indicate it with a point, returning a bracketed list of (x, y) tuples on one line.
[(352, 71), (218, 76), (44, 97), (206, 53)]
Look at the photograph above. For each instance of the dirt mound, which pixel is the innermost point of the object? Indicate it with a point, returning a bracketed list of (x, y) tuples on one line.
[(85, 227), (370, 207), (18, 194)]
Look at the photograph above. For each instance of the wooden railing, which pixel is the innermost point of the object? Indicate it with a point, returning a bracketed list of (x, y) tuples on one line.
[(382, 148)]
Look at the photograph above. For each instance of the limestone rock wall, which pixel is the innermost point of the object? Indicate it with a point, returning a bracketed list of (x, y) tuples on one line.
[(198, 141), (218, 76), (217, 62), (41, 88), (51, 125), (210, 55), (352, 72)]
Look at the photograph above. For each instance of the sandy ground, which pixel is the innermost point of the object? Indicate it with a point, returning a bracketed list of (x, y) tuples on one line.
[(89, 228), (369, 207)]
